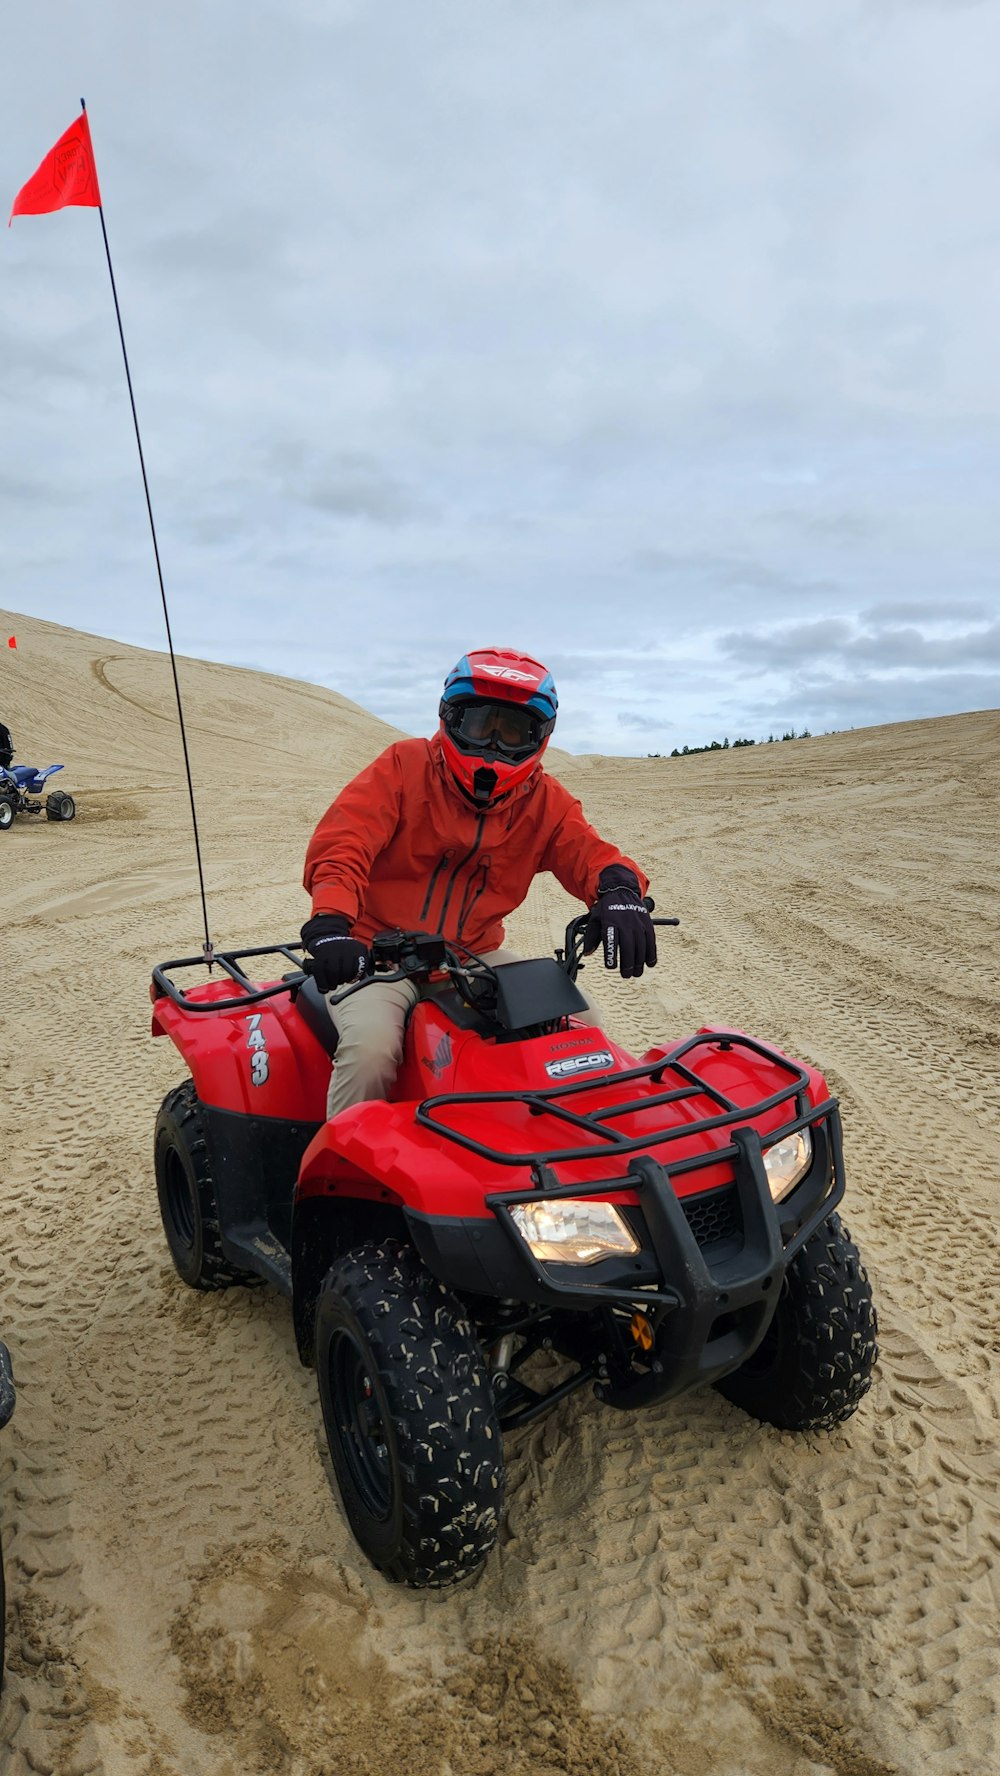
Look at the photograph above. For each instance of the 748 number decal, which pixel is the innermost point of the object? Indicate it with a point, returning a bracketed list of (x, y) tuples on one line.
[(257, 1043)]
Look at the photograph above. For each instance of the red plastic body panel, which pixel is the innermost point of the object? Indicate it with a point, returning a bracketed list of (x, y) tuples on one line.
[(408, 1162), (264, 1061)]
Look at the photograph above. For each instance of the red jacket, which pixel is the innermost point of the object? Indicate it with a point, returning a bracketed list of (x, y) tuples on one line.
[(401, 846)]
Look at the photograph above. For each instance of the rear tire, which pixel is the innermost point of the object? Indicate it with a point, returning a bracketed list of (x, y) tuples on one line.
[(60, 806), (409, 1414), (186, 1190), (8, 813), (814, 1365)]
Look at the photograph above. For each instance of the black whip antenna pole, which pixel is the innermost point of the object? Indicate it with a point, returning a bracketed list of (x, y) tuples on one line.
[(207, 948)]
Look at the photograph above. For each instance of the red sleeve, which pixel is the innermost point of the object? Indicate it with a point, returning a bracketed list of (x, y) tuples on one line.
[(574, 852), (352, 832)]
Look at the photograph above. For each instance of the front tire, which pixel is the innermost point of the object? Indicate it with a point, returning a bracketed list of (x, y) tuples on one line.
[(60, 806), (186, 1190), (409, 1415), (814, 1364), (8, 813)]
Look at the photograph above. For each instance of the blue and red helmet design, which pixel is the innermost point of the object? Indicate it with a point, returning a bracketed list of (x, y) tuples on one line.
[(497, 713)]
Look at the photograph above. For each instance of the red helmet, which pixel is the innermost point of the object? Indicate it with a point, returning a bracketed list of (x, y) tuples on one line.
[(497, 712)]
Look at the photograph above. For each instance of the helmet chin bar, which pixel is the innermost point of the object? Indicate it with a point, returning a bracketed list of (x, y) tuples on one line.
[(485, 778), (484, 790), (484, 785)]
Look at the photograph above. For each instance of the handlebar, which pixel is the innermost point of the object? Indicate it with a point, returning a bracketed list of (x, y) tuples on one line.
[(395, 956), (571, 956)]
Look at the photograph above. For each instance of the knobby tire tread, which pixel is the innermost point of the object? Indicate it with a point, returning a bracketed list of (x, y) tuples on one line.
[(430, 1369), (182, 1107), (826, 1337)]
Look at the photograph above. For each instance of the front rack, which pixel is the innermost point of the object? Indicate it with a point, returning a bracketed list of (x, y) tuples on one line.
[(596, 1122)]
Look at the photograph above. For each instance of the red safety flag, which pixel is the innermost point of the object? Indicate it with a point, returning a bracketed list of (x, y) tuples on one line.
[(12, 641), (67, 175)]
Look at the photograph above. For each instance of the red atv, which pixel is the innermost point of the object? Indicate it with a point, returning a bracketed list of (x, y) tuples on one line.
[(532, 1210)]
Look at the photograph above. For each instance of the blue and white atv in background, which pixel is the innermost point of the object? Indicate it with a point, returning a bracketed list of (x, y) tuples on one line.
[(21, 790)]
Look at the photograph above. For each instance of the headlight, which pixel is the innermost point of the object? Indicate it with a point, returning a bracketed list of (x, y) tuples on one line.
[(572, 1231), (787, 1162)]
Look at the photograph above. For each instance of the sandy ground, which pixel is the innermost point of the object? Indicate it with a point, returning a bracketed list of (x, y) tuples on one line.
[(683, 1591)]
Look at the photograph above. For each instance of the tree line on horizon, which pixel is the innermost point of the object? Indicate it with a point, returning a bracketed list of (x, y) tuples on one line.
[(728, 745)]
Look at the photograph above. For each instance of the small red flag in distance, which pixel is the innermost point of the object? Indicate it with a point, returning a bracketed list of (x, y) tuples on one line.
[(12, 641), (67, 175)]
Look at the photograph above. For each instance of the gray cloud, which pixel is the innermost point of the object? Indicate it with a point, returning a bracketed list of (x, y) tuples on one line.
[(956, 611), (832, 648), (643, 724)]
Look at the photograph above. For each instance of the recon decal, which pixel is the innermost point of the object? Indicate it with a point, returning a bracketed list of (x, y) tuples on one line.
[(585, 1063), (257, 1043)]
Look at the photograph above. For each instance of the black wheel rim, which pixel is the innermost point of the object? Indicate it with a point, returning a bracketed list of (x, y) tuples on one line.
[(180, 1207), (359, 1423)]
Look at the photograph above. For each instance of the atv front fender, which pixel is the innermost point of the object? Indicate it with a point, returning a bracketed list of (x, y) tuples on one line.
[(381, 1146)]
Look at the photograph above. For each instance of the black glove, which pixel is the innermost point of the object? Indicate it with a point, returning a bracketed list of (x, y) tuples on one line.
[(338, 958), (621, 924)]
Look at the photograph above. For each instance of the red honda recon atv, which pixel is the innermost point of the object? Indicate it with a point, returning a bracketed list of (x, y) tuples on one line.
[(529, 1187)]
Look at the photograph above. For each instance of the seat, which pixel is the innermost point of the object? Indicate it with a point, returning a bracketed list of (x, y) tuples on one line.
[(312, 1007)]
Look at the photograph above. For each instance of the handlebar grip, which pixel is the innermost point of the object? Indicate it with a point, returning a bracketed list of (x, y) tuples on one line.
[(309, 968), (650, 906)]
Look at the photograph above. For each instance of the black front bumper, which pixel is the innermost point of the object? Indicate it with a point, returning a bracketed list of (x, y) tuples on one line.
[(6, 1386), (707, 1284)]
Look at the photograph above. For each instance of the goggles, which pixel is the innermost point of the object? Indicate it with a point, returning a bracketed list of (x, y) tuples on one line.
[(508, 730)]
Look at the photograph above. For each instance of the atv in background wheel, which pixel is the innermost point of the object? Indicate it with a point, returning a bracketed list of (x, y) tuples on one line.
[(814, 1365), (186, 1191), (60, 806), (8, 812), (409, 1414)]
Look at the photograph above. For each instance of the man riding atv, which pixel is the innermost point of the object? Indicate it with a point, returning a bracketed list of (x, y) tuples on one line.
[(524, 1208), (446, 835)]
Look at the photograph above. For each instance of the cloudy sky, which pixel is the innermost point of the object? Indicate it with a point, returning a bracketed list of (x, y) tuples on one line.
[(656, 337)]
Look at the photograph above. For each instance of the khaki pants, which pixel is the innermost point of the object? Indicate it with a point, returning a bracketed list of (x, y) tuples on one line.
[(370, 1026)]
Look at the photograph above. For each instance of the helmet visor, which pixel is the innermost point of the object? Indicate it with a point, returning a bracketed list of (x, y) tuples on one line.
[(510, 730)]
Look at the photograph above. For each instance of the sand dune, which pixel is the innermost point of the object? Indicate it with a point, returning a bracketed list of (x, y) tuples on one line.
[(683, 1591)]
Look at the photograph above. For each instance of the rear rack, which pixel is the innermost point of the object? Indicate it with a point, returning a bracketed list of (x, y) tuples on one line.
[(229, 961), (596, 1122)]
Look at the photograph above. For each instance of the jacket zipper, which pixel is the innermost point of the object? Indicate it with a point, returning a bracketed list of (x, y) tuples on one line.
[(468, 898), (460, 865), (444, 859)]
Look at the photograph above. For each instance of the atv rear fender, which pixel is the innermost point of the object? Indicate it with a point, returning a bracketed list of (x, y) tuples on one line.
[(260, 1061)]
